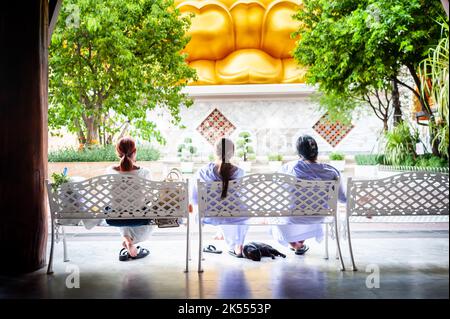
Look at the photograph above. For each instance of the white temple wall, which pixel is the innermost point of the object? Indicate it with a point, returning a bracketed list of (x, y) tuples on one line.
[(274, 123)]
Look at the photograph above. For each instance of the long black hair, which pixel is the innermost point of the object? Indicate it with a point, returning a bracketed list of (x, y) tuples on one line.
[(226, 170)]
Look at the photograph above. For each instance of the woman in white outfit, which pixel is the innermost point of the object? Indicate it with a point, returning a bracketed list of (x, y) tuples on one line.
[(133, 231), (299, 229), (223, 170)]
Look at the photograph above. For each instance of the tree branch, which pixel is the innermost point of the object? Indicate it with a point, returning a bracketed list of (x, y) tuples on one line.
[(369, 101)]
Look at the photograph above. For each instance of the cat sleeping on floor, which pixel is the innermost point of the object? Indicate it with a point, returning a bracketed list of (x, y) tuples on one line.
[(255, 251)]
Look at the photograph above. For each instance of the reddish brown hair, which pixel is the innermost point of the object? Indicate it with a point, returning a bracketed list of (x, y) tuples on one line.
[(125, 149)]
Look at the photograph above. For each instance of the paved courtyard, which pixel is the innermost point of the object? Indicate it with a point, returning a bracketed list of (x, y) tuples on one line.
[(411, 260)]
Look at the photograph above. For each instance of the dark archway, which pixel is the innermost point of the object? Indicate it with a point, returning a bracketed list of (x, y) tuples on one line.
[(23, 134)]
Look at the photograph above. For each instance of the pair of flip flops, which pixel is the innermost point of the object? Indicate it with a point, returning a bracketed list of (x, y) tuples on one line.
[(124, 255), (211, 249), (301, 251)]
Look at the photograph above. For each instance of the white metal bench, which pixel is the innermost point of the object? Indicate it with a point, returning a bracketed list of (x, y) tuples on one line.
[(270, 196), (117, 196), (401, 195)]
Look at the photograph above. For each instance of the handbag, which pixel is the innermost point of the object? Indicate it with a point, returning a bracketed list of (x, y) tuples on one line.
[(174, 175)]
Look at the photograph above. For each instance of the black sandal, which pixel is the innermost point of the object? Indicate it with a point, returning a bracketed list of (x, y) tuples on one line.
[(301, 251), (211, 249), (124, 255), (142, 252), (232, 253)]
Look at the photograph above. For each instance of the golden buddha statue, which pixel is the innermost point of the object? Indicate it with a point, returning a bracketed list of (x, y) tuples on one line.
[(242, 41)]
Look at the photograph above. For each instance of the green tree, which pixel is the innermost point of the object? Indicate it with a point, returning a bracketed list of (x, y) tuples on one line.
[(244, 146), (355, 49), (113, 61), (434, 73)]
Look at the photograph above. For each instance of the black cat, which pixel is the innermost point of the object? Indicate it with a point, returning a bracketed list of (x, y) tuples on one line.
[(255, 251)]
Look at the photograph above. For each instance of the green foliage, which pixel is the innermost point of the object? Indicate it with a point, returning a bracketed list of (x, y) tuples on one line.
[(245, 149), (186, 151), (426, 160), (338, 106), (429, 160), (400, 147), (336, 156), (275, 157), (58, 180), (369, 159), (434, 74), (354, 49), (100, 154), (110, 62)]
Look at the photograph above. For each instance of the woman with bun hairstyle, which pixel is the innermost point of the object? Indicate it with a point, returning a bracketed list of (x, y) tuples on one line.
[(298, 229)]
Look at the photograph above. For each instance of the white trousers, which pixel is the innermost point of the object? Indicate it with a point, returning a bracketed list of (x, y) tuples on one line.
[(286, 234), (137, 233), (234, 234)]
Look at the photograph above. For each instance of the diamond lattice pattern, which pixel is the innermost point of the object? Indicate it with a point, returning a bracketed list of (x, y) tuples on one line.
[(215, 126), (119, 196), (415, 193), (269, 195), (332, 132)]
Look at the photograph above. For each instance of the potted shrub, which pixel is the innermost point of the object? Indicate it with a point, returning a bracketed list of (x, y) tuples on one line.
[(337, 160), (400, 146), (186, 153), (367, 165), (245, 151), (275, 162)]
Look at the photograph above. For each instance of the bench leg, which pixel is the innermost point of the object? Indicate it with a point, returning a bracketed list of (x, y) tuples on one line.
[(350, 246), (338, 243), (52, 247), (66, 258), (188, 246), (190, 251), (326, 241), (200, 245)]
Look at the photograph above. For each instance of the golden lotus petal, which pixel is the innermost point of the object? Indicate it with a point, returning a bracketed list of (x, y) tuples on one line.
[(249, 66), (211, 31)]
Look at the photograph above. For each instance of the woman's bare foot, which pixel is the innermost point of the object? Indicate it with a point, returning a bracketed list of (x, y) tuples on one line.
[(218, 236), (128, 244), (297, 245), (238, 249)]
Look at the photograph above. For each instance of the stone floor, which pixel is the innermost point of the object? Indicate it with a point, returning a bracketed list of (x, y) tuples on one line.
[(411, 263)]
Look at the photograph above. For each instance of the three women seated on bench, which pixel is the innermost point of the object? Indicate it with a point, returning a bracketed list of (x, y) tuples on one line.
[(293, 233)]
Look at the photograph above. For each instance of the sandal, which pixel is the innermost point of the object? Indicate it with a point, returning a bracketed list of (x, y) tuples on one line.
[(142, 252), (124, 255), (301, 251), (211, 249), (232, 253)]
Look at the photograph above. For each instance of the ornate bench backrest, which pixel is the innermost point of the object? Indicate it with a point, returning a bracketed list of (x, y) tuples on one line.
[(118, 196), (406, 194), (268, 195)]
